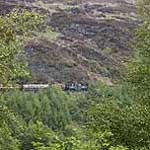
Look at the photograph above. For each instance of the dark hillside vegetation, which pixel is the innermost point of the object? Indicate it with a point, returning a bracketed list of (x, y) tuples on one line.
[(87, 40)]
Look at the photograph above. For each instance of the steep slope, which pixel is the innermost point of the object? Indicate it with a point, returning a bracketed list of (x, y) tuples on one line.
[(90, 40)]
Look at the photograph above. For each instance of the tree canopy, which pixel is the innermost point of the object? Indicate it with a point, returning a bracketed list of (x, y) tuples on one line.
[(13, 28)]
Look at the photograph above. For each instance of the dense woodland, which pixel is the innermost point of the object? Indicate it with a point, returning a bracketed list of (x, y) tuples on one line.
[(104, 118)]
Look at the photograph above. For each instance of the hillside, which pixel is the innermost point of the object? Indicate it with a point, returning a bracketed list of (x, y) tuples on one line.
[(89, 40)]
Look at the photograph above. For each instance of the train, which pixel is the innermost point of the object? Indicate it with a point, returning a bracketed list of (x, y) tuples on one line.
[(76, 87), (73, 87)]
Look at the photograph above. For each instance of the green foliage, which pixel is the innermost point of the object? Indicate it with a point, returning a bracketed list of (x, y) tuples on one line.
[(13, 28), (69, 144), (139, 69), (79, 104), (118, 148), (9, 126), (38, 135), (110, 123), (8, 142), (143, 8), (104, 118), (129, 126), (126, 111), (50, 107)]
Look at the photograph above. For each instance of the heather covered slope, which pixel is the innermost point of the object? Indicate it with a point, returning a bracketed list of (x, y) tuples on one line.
[(90, 40)]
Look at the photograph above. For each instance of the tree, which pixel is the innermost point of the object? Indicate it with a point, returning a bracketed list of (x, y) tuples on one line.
[(8, 126), (139, 69), (13, 28), (129, 124)]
